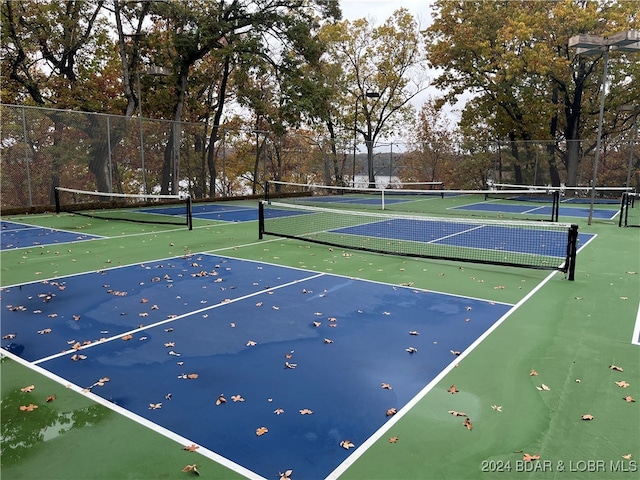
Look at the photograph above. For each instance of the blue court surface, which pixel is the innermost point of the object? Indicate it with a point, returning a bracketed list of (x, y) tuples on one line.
[(528, 209), (469, 235), (218, 350), (18, 235), (225, 213)]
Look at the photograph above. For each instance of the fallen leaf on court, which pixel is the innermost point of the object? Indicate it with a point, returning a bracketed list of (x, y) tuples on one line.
[(190, 448), (28, 389), (328, 340), (468, 309), (317, 324), (497, 408), (290, 365), (278, 411), (192, 376), (77, 357), (616, 368), (533, 373), (628, 456), (622, 384), (76, 317), (394, 439), (237, 398), (261, 431), (28, 408), (44, 331), (306, 411), (386, 386), (392, 411), (455, 352), (155, 406), (528, 458), (170, 344), (221, 400), (286, 475), (587, 416), (543, 387), (457, 414), (414, 332), (51, 398), (168, 396), (259, 304), (629, 399), (191, 468), (127, 337), (467, 424), (251, 343), (411, 349), (346, 444), (453, 389), (9, 336)]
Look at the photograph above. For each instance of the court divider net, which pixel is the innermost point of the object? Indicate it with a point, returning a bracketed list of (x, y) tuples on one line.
[(539, 245), (139, 208)]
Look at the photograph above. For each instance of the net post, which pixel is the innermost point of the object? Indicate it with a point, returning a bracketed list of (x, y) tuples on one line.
[(382, 190), (56, 195), (622, 202), (570, 263), (260, 220), (189, 213), (555, 209)]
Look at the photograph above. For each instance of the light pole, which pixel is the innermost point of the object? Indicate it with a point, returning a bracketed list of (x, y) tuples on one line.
[(586, 44), (636, 110), (368, 94)]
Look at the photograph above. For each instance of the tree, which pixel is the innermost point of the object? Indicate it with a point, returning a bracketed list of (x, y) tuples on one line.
[(381, 74), (514, 58)]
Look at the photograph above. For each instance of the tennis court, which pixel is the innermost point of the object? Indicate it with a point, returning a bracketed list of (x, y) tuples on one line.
[(278, 354)]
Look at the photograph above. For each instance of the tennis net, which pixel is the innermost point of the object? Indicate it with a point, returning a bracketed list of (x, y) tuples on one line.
[(577, 195), (140, 208), (539, 245), (544, 204), (629, 210)]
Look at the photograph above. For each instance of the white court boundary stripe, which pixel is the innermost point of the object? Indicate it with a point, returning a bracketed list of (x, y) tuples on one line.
[(136, 418), (340, 469), (635, 339), (178, 317)]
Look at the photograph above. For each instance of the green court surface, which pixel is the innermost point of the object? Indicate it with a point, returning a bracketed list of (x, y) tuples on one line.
[(569, 333)]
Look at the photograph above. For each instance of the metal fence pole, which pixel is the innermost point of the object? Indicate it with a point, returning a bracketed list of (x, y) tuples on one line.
[(26, 156)]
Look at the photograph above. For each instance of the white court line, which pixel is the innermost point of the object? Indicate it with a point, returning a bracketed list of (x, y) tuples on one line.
[(134, 417), (635, 339), (414, 401)]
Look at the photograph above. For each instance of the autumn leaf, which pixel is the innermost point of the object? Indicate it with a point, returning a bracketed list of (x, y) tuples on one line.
[(543, 387), (386, 386), (629, 399), (414, 332), (290, 365), (78, 357), (127, 337), (317, 324), (347, 444), (533, 373), (622, 384), (51, 398), (394, 439), (467, 424), (192, 376), (615, 367), (453, 389), (261, 431), (190, 448), (392, 411), (587, 416), (155, 406), (455, 352), (411, 349), (286, 475), (28, 389), (237, 398), (251, 343), (628, 456), (278, 411), (191, 468), (497, 408), (221, 399), (28, 408), (306, 411), (44, 331), (457, 414), (528, 458)]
